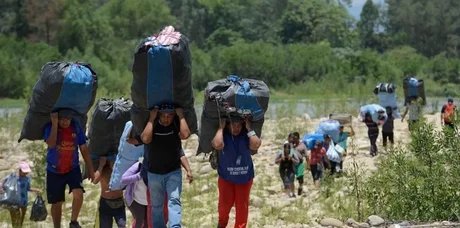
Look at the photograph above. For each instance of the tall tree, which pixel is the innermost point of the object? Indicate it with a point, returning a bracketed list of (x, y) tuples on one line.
[(315, 20), (368, 24), (44, 16), (429, 26)]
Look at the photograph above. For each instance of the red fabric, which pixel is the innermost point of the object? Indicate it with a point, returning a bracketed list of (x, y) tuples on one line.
[(66, 150), (149, 209), (449, 112), (317, 156), (234, 194)]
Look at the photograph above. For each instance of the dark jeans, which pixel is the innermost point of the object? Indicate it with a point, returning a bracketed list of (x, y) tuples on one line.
[(110, 210), (139, 213), (373, 139), (388, 136)]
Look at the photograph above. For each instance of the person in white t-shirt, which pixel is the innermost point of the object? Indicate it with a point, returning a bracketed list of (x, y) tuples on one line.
[(136, 194)]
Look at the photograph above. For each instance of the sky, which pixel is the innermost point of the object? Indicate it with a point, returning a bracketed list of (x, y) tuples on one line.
[(357, 6)]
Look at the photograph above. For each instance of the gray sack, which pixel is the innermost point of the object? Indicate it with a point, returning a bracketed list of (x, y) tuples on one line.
[(223, 90), (107, 125), (45, 94)]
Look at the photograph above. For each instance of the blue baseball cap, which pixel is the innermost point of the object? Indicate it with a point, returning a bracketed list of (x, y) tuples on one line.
[(166, 108)]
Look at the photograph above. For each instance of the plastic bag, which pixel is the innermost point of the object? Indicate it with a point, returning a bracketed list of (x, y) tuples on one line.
[(10, 195), (329, 127), (39, 212)]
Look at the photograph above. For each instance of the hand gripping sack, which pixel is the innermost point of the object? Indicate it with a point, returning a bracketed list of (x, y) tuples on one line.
[(39, 212), (107, 124), (127, 155), (377, 112), (11, 196), (62, 85), (232, 96), (310, 139), (162, 73), (329, 127)]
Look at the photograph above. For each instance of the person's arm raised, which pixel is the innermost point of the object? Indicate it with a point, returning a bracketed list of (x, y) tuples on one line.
[(254, 140), (184, 130), (51, 139), (147, 134), (218, 140)]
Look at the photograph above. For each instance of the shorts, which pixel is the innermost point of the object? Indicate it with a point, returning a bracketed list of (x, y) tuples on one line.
[(300, 170), (56, 184), (110, 210), (288, 178), (316, 171)]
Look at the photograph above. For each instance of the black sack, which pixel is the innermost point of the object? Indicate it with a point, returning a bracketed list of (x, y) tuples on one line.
[(385, 87), (181, 90), (52, 92), (221, 94), (39, 212), (107, 124)]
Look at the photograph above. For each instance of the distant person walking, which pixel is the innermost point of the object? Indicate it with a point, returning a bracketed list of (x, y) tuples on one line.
[(302, 152), (64, 137), (388, 128), (414, 108), (18, 213), (287, 161), (372, 133), (317, 155), (235, 140), (343, 141), (448, 112)]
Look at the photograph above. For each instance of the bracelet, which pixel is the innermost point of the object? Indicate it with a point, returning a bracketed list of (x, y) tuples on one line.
[(251, 133)]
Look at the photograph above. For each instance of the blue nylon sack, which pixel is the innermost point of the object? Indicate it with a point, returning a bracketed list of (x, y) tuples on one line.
[(329, 127), (389, 100), (127, 155), (62, 85), (310, 139), (373, 110)]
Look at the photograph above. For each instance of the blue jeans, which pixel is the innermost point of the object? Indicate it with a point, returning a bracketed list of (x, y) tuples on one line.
[(171, 183)]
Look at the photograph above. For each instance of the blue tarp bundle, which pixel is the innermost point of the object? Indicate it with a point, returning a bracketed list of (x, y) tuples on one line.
[(310, 139), (329, 127), (375, 111), (127, 155), (162, 73), (232, 96), (414, 87), (62, 85)]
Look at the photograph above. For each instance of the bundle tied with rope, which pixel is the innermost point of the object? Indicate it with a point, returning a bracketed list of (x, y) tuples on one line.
[(232, 98)]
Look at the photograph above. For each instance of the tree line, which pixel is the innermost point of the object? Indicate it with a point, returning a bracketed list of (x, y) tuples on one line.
[(282, 42)]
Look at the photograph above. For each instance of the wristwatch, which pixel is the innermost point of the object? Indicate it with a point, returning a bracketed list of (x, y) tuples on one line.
[(251, 133)]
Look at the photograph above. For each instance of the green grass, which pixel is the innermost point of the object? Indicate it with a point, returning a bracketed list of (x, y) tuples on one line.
[(12, 103)]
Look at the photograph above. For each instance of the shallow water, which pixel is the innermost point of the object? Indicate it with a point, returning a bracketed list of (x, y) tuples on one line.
[(314, 108)]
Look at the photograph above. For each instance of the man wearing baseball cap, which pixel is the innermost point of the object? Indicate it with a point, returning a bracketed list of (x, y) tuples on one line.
[(162, 137), (64, 137), (448, 113), (18, 213)]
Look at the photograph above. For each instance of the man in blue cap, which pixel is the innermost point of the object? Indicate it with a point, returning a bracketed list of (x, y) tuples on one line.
[(162, 137), (448, 113)]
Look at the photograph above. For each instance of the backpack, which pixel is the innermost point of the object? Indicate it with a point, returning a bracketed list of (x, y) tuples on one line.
[(449, 111)]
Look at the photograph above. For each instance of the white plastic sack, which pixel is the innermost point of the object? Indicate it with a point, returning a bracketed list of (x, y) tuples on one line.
[(332, 154), (375, 111)]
